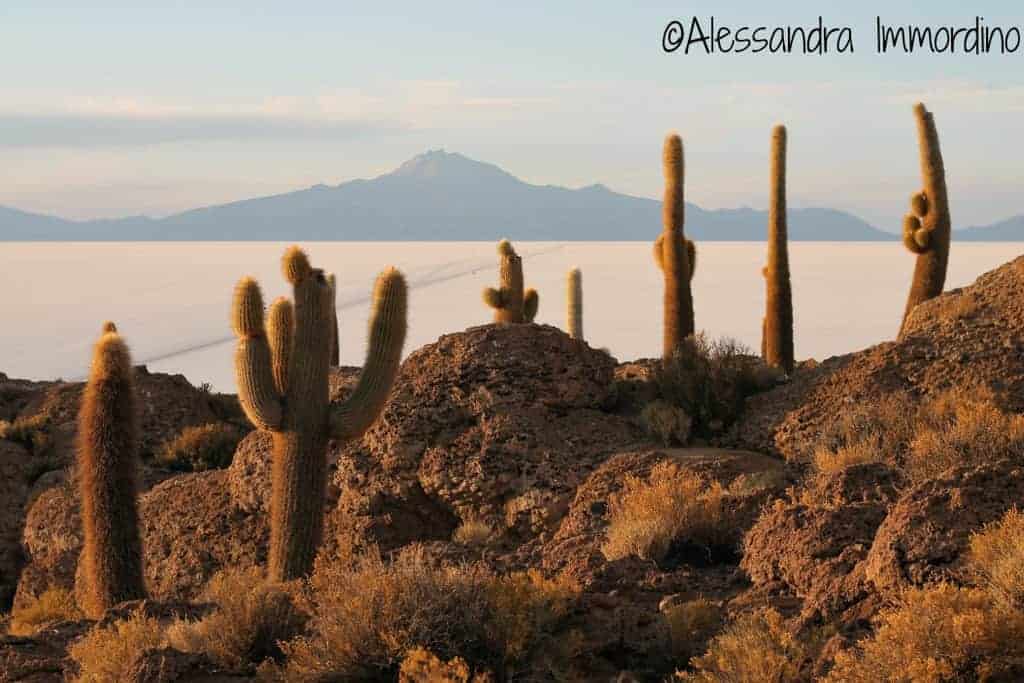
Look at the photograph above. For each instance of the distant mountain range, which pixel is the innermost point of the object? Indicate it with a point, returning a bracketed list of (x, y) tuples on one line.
[(444, 196)]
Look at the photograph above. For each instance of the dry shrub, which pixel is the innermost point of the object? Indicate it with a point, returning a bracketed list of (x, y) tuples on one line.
[(29, 431), (690, 625), (755, 647), (422, 666), (367, 616), (667, 423), (711, 380), (206, 447), (996, 558), (962, 428), (647, 517), (52, 606), (107, 654), (941, 633), (251, 617), (473, 533)]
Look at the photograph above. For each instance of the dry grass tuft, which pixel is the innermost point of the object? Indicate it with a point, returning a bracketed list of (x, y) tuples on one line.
[(961, 426), (647, 517), (30, 432), (107, 654), (422, 666), (667, 423), (206, 447), (251, 618), (997, 559), (368, 616), (755, 647), (54, 605), (941, 633), (690, 625), (473, 533)]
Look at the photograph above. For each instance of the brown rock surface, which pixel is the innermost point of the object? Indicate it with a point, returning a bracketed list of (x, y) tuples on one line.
[(925, 536)]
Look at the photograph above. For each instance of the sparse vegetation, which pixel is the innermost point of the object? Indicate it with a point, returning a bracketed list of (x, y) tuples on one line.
[(474, 533), (251, 617), (199, 448), (666, 423), (711, 380), (28, 431), (52, 606), (690, 625), (754, 647), (997, 560), (672, 506), (367, 617), (422, 666), (107, 654)]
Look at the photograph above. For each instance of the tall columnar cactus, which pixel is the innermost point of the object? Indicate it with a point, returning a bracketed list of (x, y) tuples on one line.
[(510, 303), (110, 568), (777, 336), (335, 342), (282, 374), (574, 304), (675, 255), (926, 229)]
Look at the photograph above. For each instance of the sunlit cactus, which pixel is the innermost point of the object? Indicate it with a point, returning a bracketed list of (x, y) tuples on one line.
[(282, 374), (777, 339), (510, 303), (335, 342), (675, 255), (927, 228), (110, 569), (574, 303)]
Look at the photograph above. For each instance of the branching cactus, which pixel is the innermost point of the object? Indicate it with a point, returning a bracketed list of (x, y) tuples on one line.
[(110, 568), (675, 255), (574, 303), (777, 339), (510, 303), (926, 229), (282, 373)]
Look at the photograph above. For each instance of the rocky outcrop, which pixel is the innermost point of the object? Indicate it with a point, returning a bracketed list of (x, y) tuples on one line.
[(965, 337)]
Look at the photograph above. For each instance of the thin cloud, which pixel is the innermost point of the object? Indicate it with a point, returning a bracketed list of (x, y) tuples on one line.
[(118, 130)]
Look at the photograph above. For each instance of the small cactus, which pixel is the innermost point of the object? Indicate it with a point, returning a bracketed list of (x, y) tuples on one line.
[(675, 255), (510, 303), (574, 304), (927, 228), (282, 374), (777, 327), (110, 566)]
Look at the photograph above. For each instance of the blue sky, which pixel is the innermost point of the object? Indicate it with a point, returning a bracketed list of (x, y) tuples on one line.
[(124, 108)]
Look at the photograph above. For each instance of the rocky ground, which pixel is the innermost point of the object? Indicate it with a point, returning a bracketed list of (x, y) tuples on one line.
[(531, 433)]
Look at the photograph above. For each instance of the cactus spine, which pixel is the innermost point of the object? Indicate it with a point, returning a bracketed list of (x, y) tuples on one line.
[(777, 340), (675, 255), (926, 229), (510, 303), (282, 374), (110, 569), (574, 304)]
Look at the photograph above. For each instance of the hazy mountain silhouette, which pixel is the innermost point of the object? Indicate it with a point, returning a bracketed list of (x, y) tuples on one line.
[(1009, 230), (440, 196)]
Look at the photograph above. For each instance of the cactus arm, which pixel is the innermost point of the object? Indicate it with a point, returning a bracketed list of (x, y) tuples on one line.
[(253, 368), (387, 329), (574, 304), (494, 297), (659, 256), (280, 326), (531, 301)]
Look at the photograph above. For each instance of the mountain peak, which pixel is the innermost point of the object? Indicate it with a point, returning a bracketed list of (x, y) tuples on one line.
[(437, 164)]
